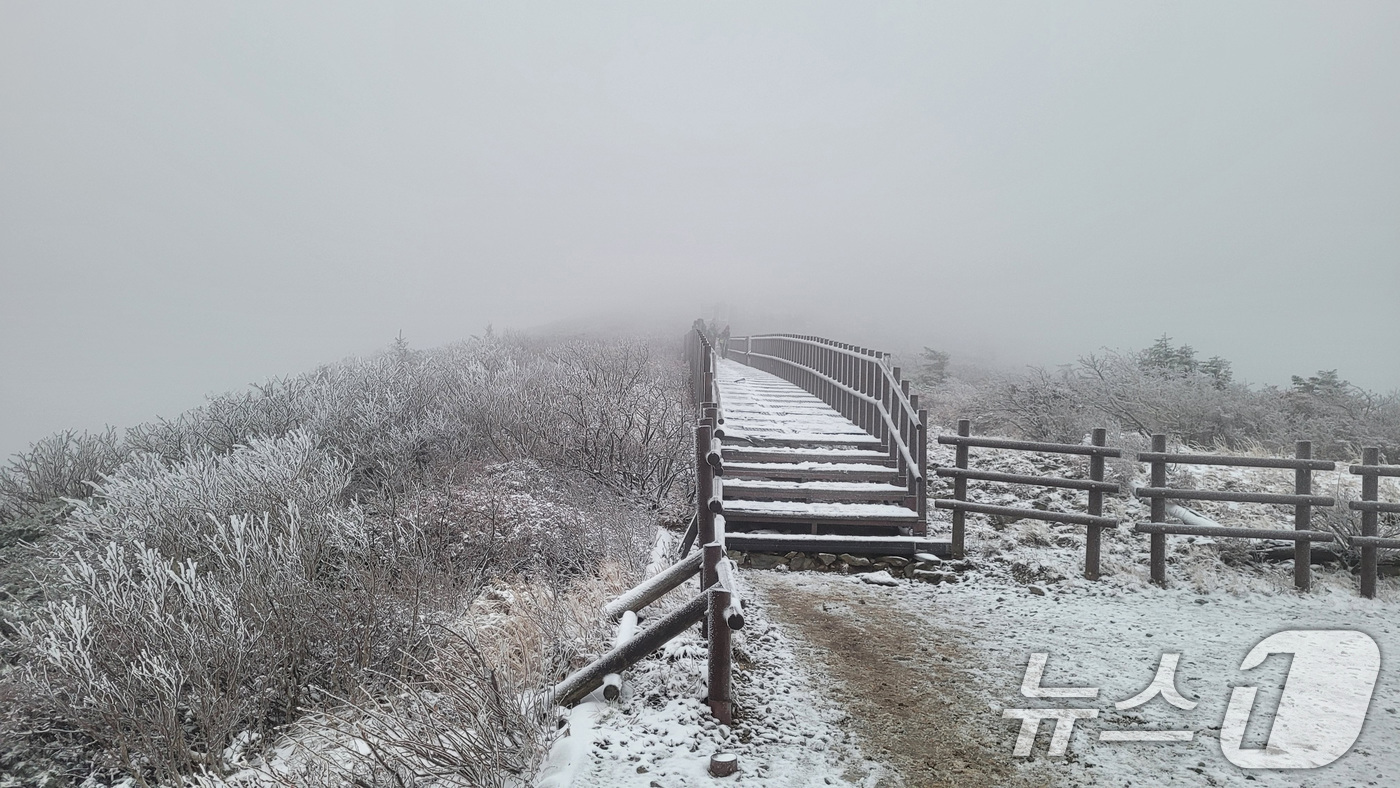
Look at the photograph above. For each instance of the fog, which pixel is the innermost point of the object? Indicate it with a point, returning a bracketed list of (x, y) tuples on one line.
[(194, 197)]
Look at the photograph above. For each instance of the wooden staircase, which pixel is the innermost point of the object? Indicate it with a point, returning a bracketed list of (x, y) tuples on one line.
[(800, 476)]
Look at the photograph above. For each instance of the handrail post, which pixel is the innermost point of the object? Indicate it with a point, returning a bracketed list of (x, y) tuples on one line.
[(1159, 512), (1094, 532), (922, 529), (960, 489), (1370, 491), (704, 488), (720, 674), (1302, 520)]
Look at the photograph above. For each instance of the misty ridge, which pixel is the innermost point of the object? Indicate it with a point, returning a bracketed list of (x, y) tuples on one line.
[(441, 523)]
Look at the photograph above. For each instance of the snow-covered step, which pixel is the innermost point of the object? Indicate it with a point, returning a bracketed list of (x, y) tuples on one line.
[(850, 492), (743, 453), (737, 433), (833, 543), (816, 512), (809, 471)]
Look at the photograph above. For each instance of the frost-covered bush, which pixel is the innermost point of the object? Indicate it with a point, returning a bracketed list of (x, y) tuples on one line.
[(59, 466), (1165, 389)]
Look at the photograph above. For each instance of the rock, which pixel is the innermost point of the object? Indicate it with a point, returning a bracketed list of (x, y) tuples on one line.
[(766, 560), (1037, 590), (736, 556), (894, 561), (925, 576), (961, 566), (854, 560), (827, 559), (909, 569), (798, 562), (927, 558), (881, 578)]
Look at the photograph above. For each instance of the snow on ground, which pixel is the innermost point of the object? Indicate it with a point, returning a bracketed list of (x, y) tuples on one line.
[(970, 643), (660, 732)]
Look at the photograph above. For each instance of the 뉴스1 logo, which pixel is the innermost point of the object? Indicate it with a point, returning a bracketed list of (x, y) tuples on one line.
[(1325, 699)]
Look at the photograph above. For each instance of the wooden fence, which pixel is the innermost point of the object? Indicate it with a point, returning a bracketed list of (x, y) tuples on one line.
[(860, 384), (1093, 520), (718, 605), (1303, 501), (1370, 470)]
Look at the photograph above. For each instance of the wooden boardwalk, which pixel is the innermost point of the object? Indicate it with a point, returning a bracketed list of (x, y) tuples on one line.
[(798, 474)]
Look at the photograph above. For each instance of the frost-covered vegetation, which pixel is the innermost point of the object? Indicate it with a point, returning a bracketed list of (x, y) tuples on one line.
[(1166, 389), (314, 555)]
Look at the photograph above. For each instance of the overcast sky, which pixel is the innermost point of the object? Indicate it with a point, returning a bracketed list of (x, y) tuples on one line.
[(197, 196)]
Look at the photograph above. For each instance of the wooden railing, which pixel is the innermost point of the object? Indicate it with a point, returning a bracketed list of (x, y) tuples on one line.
[(1158, 494), (1371, 506), (861, 385), (1093, 520), (1302, 500), (718, 606)]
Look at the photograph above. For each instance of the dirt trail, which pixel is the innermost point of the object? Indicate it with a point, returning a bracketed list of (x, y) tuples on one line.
[(908, 691)]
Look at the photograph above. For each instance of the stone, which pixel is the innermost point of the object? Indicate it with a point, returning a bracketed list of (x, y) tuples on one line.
[(854, 560), (1037, 590), (909, 570), (894, 561), (827, 559), (798, 562), (881, 578), (766, 561), (927, 558), (925, 576)]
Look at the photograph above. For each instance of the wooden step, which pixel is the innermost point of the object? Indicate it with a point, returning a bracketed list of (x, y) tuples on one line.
[(810, 471), (738, 512), (742, 453), (830, 543), (851, 492), (737, 434)]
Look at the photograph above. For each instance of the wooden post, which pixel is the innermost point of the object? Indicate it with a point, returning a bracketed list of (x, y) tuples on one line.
[(590, 677), (960, 489), (1094, 532), (626, 630), (923, 474), (704, 488), (721, 652), (1370, 491), (1302, 520), (1159, 513)]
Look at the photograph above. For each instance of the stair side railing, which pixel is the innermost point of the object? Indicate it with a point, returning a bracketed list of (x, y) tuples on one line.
[(718, 607), (862, 385)]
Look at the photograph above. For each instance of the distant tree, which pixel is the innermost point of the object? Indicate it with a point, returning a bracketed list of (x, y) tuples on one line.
[(933, 367)]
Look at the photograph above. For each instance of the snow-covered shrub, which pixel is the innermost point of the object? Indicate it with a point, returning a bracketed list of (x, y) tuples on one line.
[(198, 599), (58, 466)]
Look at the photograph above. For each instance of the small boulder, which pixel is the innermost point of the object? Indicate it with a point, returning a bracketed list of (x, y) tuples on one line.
[(1037, 590), (827, 559), (881, 578), (854, 560)]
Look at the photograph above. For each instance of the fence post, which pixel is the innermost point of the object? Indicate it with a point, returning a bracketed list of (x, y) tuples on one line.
[(960, 488), (1370, 491), (922, 529), (721, 648), (1159, 512), (1094, 532), (704, 488), (1302, 520)]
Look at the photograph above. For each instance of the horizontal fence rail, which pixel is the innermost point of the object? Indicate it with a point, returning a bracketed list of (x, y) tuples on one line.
[(861, 385)]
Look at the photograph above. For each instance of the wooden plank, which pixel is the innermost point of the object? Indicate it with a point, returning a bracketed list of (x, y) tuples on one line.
[(835, 543)]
